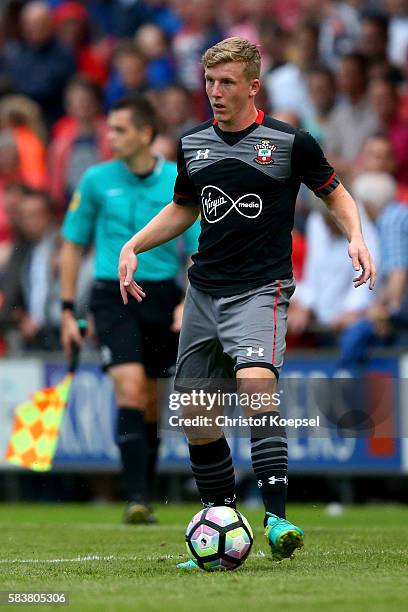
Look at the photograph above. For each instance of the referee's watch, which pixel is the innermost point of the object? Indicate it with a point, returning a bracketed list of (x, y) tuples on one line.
[(68, 305)]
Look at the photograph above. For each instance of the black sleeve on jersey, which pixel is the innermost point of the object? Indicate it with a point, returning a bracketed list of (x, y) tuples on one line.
[(184, 191), (310, 165)]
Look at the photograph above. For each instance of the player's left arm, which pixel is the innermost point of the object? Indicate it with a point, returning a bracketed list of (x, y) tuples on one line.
[(310, 164), (345, 213)]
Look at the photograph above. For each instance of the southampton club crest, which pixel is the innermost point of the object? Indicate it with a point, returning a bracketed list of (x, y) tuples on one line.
[(264, 150)]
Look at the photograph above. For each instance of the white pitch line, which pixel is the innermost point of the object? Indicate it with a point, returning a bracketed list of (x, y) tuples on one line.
[(73, 560), (85, 558), (93, 526)]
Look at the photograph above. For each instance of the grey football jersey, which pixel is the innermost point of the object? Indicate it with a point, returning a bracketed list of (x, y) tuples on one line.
[(246, 184)]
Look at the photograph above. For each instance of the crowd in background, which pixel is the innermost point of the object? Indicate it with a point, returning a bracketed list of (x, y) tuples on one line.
[(336, 69)]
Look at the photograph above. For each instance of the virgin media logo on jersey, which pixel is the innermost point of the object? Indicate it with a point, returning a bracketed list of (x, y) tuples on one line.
[(217, 204)]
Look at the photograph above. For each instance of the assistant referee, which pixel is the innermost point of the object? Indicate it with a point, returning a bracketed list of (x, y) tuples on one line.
[(114, 200)]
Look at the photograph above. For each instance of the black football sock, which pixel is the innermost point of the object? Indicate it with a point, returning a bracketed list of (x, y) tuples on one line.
[(269, 454), (153, 443), (132, 441), (214, 473)]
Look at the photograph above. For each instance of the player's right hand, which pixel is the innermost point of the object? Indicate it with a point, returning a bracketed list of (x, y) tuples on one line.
[(127, 268), (70, 333)]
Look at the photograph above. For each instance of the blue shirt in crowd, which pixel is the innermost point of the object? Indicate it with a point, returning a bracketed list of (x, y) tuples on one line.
[(393, 228)]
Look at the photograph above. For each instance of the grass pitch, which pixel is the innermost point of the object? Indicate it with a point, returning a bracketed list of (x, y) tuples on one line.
[(352, 563)]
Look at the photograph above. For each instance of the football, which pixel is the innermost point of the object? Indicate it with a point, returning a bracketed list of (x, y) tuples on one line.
[(219, 538)]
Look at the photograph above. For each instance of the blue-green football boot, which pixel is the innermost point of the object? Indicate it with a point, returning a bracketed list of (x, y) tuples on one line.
[(283, 537), (189, 565)]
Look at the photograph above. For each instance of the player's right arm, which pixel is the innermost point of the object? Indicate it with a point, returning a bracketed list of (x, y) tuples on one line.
[(77, 232), (172, 221)]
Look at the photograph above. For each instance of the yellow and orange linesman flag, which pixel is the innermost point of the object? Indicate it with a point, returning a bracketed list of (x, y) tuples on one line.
[(37, 422)]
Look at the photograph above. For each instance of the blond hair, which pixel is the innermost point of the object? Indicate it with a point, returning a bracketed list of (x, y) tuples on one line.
[(18, 110), (237, 50)]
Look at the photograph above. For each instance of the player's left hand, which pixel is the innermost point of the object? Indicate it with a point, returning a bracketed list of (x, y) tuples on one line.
[(177, 317), (126, 270), (362, 262)]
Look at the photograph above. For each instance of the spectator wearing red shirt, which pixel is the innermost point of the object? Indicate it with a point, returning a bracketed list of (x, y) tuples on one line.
[(22, 116), (238, 19), (386, 105), (10, 171), (72, 29), (79, 139)]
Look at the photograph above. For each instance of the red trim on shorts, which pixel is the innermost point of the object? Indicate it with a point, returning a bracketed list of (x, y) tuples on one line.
[(275, 308), (327, 182), (259, 119)]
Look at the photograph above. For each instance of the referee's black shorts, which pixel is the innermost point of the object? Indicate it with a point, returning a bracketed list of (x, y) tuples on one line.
[(139, 332)]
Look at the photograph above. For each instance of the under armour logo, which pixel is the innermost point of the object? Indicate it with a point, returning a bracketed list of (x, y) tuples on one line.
[(273, 480), (202, 154), (259, 351)]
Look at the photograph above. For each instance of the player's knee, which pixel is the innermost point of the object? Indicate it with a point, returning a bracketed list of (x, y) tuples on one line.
[(258, 385), (130, 384), (200, 426), (130, 391), (254, 379)]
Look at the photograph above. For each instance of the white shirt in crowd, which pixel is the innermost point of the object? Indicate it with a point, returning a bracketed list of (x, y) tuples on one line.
[(288, 91), (327, 284)]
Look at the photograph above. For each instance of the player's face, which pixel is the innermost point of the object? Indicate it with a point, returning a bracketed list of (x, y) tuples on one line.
[(229, 91), (125, 138)]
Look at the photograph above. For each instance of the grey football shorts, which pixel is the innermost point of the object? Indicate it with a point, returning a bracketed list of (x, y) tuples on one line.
[(221, 335)]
